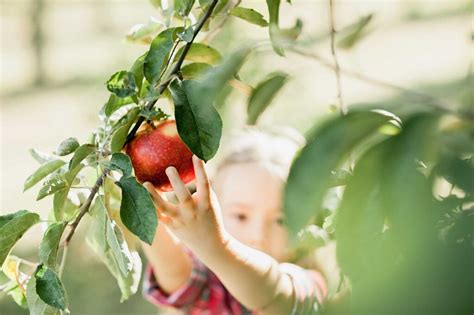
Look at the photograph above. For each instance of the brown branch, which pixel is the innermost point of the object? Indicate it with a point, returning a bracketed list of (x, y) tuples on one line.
[(161, 88), (334, 55), (85, 206)]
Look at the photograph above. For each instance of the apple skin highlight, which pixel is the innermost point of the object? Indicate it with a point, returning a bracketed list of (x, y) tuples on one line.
[(152, 151)]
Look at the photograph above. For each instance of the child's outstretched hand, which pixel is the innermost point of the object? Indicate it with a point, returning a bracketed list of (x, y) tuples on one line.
[(196, 220)]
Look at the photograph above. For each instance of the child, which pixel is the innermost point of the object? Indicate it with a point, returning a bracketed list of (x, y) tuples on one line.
[(225, 253)]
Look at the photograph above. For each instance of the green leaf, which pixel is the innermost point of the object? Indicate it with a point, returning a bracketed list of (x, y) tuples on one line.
[(183, 7), (249, 15), (120, 135), (157, 55), (154, 114), (17, 294), (201, 53), (354, 32), (122, 84), (194, 70), (274, 12), (81, 153), (118, 247), (263, 94), (458, 172), (43, 171), (142, 33), (55, 183), (187, 35), (60, 197), (49, 245), (215, 80), (50, 288), (328, 145), (104, 244), (12, 228), (221, 4), (359, 221), (115, 103), (36, 306), (67, 147), (137, 70), (198, 123), (41, 157), (137, 211), (121, 162)]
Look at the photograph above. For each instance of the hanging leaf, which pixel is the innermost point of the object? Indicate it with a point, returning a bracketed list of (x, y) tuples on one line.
[(60, 197), (183, 7), (201, 53), (107, 241), (155, 59), (308, 181), (120, 135), (66, 147), (115, 103), (144, 33), (12, 228), (122, 84), (194, 70), (36, 306), (199, 124), (41, 157), (121, 162), (137, 70), (42, 172), (274, 13), (249, 15), (53, 184), (354, 32), (187, 35), (81, 153), (50, 288), (263, 94), (49, 245), (137, 211)]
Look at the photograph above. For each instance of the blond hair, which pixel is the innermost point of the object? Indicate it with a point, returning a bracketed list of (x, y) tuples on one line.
[(271, 148)]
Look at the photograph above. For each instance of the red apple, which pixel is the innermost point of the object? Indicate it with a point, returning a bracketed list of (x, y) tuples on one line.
[(154, 150)]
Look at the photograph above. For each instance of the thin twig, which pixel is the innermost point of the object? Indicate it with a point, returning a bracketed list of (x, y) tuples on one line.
[(334, 55), (209, 36), (85, 207), (174, 71), (433, 101)]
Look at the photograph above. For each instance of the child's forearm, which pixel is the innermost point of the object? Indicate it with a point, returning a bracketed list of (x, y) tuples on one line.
[(171, 264), (252, 277)]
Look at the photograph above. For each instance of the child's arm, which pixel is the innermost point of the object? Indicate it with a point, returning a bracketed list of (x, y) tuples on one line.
[(171, 265), (255, 279)]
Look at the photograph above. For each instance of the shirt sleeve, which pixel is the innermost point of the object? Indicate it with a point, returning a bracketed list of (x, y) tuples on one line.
[(309, 287), (184, 296)]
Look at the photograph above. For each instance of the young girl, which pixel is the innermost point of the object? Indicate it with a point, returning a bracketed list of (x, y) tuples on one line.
[(224, 252)]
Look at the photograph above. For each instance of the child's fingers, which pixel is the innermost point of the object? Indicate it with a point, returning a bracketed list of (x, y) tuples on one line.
[(161, 205), (181, 192), (202, 183)]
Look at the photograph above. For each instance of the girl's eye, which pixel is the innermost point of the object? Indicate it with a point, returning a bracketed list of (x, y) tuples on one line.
[(241, 217), (279, 221)]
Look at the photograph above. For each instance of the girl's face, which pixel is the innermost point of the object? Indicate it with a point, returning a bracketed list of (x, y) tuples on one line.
[(250, 198)]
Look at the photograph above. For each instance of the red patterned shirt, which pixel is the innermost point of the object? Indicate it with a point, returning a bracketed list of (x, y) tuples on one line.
[(204, 294)]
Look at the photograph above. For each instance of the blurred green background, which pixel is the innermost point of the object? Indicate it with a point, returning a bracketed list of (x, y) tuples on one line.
[(56, 56)]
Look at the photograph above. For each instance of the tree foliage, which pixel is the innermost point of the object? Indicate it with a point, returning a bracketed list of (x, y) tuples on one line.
[(397, 239)]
